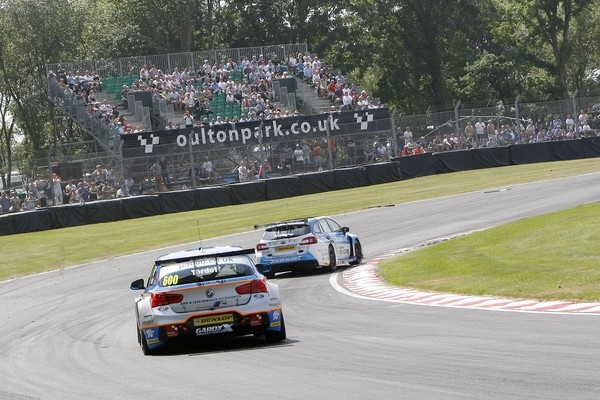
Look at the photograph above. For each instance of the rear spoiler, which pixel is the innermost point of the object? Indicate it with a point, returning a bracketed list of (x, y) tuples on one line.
[(287, 221), (233, 253)]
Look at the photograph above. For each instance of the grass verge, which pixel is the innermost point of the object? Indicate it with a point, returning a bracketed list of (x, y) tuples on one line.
[(549, 257)]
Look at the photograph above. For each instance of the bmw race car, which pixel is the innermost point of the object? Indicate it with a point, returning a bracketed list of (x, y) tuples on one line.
[(316, 242), (206, 292)]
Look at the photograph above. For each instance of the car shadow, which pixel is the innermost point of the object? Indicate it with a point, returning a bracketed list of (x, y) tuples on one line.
[(220, 345)]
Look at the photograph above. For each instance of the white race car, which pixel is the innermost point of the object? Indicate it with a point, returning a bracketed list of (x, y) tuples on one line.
[(210, 291), (316, 242)]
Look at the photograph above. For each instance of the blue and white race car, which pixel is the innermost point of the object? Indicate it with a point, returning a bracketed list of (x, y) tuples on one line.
[(316, 242), (202, 292)]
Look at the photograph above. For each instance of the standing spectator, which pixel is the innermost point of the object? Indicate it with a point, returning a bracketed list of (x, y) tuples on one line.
[(41, 185), (99, 175), (30, 201), (382, 152), (351, 149), (129, 182), (400, 142), (491, 130), (243, 172), (299, 158), (69, 191), (57, 191), (570, 123), (93, 192), (306, 151), (207, 169), (157, 173), (164, 165), (408, 135), (188, 119), (264, 170), (470, 131), (583, 118), (15, 203), (4, 203), (480, 131), (315, 154), (333, 149), (110, 175)]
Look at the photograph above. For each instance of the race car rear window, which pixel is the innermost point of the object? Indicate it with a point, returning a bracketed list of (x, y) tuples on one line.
[(195, 271), (286, 231)]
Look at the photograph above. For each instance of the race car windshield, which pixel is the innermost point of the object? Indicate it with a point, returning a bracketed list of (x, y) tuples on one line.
[(286, 231), (195, 271)]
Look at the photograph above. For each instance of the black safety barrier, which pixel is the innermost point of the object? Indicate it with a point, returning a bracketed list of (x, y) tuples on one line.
[(104, 211), (348, 178), (248, 192), (68, 215), (282, 187), (453, 161), (213, 197), (416, 166), (491, 157), (181, 200), (317, 182), (295, 185), (142, 206), (382, 173)]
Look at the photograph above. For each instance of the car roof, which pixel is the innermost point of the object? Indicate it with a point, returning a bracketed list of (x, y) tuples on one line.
[(205, 252)]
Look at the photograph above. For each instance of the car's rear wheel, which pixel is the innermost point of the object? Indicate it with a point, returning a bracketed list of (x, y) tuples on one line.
[(358, 254), (332, 259), (145, 349), (276, 336)]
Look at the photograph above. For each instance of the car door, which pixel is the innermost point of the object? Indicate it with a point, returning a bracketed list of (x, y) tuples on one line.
[(338, 237)]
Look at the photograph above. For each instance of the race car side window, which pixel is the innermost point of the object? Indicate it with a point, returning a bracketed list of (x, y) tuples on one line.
[(333, 226), (317, 228), (153, 277)]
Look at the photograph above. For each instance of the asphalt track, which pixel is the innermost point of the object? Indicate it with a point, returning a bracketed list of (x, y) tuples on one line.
[(70, 334)]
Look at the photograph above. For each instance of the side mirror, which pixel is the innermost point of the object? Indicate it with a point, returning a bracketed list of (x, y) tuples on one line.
[(138, 284), (345, 229), (265, 270)]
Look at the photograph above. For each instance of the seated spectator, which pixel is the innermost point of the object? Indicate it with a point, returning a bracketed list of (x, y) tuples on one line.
[(42, 201)]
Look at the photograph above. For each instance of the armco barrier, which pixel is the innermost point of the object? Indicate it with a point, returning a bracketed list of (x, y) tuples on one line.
[(295, 185)]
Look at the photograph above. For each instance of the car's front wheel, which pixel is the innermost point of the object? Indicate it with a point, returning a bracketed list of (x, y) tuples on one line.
[(332, 259), (358, 254)]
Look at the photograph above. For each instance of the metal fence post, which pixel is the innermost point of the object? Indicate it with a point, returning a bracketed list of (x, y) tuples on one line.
[(329, 153), (192, 166), (394, 142), (457, 124), (575, 115), (517, 117)]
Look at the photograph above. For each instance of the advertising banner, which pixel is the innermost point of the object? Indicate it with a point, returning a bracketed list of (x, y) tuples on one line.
[(295, 128)]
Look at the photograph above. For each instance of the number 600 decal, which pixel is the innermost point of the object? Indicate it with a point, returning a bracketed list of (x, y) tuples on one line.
[(170, 280)]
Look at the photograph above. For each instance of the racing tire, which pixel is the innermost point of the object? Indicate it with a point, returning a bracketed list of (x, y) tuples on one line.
[(358, 254), (332, 259), (145, 349), (276, 336)]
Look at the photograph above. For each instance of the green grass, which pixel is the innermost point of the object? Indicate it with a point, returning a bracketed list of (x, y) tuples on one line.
[(550, 257), (42, 251)]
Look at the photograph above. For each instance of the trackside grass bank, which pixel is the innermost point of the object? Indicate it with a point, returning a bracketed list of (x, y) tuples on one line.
[(42, 251), (550, 257)]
